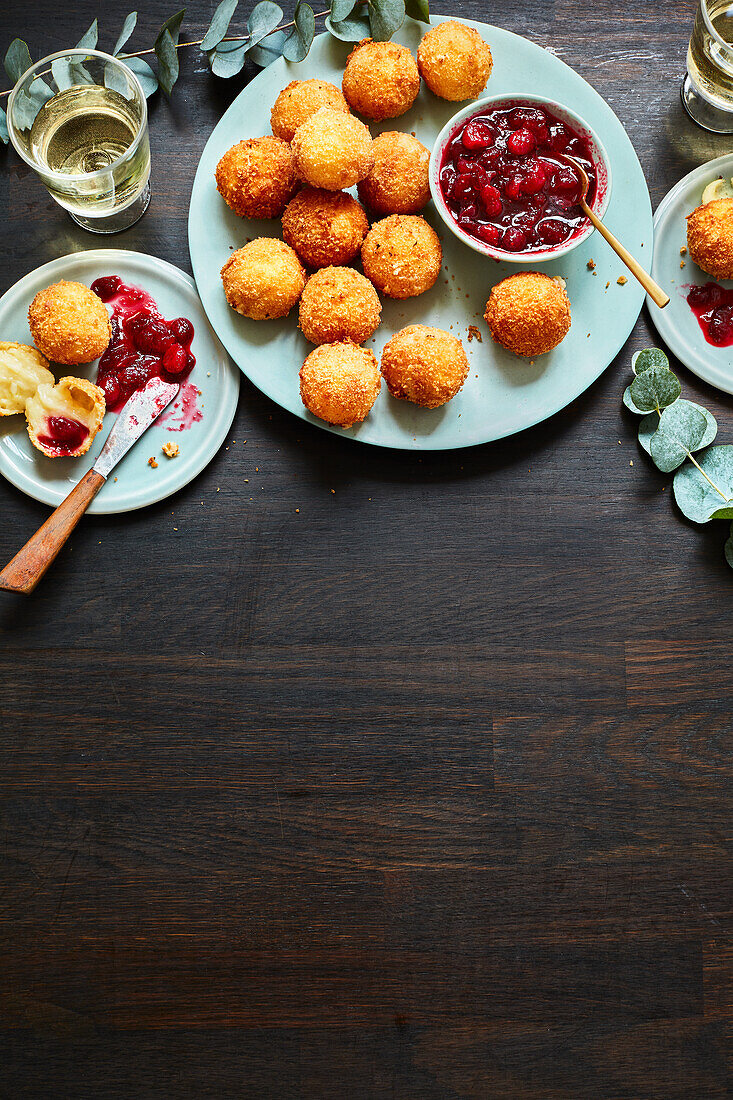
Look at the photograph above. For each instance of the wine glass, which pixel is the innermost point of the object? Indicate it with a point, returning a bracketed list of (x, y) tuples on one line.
[(707, 90), (80, 120)]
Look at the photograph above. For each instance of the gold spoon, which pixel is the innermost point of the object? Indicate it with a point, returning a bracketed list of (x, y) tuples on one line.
[(654, 291)]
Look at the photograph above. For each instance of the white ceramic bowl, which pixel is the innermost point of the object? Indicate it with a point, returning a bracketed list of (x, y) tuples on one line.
[(564, 114)]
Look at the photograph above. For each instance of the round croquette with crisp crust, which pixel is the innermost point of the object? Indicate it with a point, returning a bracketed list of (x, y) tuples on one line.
[(454, 61), (339, 383), (381, 79), (324, 227), (710, 238), (528, 313), (256, 177), (263, 280), (402, 256), (398, 182), (300, 100), (424, 365), (69, 323), (332, 150), (338, 304)]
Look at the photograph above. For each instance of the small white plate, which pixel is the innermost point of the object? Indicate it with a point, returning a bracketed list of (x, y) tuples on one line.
[(132, 484), (676, 323)]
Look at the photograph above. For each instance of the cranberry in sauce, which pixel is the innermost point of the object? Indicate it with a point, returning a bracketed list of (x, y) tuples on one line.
[(713, 307), (144, 345), (504, 183), (63, 435)]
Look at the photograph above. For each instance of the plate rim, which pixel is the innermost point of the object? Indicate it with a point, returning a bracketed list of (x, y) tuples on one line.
[(428, 444), (661, 318), (97, 506)]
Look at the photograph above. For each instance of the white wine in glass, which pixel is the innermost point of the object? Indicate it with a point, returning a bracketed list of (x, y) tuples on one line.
[(707, 91), (79, 118)]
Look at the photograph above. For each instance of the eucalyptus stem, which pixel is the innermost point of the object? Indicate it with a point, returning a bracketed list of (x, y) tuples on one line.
[(198, 42), (694, 462)]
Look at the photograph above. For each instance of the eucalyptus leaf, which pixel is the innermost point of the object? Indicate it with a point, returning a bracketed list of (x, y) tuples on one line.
[(28, 103), (127, 28), (144, 73), (268, 50), (4, 137), (352, 29), (650, 423), (729, 548), (680, 432), (115, 80), (706, 493), (300, 39), (629, 403), (647, 358), (385, 17), (342, 9), (219, 25), (263, 19), (17, 59), (68, 73), (166, 52), (418, 9), (228, 58), (89, 39), (656, 388)]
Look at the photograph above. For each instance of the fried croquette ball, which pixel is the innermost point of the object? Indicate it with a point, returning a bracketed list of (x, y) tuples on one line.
[(710, 238), (300, 100), (256, 177), (401, 256), (381, 79), (264, 279), (324, 227), (398, 182), (339, 304), (339, 383), (69, 323), (424, 365), (528, 313), (454, 61), (332, 150), (63, 418)]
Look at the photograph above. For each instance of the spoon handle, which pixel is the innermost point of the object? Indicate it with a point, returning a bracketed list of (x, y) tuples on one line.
[(654, 291), (23, 573)]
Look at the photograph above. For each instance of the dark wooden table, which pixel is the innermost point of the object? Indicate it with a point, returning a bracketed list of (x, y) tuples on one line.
[(422, 791)]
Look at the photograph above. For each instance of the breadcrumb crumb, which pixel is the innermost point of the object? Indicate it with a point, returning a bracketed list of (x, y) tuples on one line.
[(622, 280), (171, 449), (152, 463)]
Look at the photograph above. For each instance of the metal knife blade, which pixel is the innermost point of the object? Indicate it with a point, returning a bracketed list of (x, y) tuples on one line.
[(135, 417)]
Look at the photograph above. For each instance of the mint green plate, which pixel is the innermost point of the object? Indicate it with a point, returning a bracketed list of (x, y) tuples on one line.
[(133, 483), (502, 394)]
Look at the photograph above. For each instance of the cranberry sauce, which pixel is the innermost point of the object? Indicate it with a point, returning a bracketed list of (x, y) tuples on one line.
[(144, 345), (63, 435), (504, 184), (713, 307)]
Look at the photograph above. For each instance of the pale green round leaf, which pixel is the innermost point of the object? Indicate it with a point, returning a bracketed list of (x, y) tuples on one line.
[(219, 25), (269, 49), (228, 58), (342, 9), (300, 39), (650, 423), (263, 19), (647, 428), (647, 358), (629, 403), (352, 29), (127, 28), (17, 59), (144, 73), (89, 39), (385, 17), (696, 497), (655, 389), (680, 432)]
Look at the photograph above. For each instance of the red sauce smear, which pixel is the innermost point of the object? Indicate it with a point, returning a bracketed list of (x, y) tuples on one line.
[(504, 184), (713, 307), (64, 435), (143, 346)]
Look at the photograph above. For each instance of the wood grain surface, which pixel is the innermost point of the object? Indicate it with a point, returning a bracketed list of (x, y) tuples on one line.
[(422, 791)]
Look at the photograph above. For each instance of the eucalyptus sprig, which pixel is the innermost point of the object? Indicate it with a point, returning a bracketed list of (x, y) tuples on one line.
[(266, 38), (672, 432)]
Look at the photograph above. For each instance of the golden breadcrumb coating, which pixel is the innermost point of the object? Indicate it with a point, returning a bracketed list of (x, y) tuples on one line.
[(710, 238), (339, 304), (398, 182), (339, 383), (69, 323), (22, 370), (454, 61), (256, 177), (332, 150), (264, 279), (529, 313), (402, 256), (324, 227), (299, 101), (381, 79), (424, 365), (72, 398)]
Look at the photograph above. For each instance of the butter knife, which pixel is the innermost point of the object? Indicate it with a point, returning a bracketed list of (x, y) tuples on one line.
[(23, 573)]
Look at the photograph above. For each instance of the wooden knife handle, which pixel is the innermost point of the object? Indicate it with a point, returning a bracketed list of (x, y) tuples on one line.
[(24, 572)]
